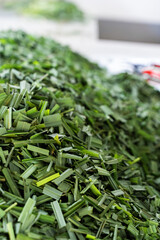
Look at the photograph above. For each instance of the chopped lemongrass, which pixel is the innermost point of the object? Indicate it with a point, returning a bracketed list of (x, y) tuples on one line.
[(52, 192), (63, 176), (58, 214), (69, 133), (42, 111), (52, 120), (48, 179), (27, 210), (28, 172), (38, 150), (11, 231)]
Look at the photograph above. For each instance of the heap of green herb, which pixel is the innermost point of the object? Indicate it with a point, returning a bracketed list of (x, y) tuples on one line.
[(79, 152), (59, 10)]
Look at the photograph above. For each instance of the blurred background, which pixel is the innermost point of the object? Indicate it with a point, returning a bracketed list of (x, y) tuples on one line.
[(119, 35)]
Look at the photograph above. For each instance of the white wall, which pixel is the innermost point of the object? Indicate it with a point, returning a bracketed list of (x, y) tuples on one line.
[(134, 10)]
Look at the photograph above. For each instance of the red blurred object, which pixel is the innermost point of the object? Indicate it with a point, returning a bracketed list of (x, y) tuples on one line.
[(152, 73), (156, 65)]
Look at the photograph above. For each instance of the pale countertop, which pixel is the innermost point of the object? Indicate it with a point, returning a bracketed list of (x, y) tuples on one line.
[(84, 37)]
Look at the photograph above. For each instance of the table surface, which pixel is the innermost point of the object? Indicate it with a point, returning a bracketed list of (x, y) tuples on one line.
[(83, 37)]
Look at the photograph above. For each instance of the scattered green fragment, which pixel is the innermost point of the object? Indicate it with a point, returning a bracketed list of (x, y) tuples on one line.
[(88, 236), (48, 179), (23, 126), (27, 210), (58, 214), (63, 176), (52, 192), (2, 213), (59, 10), (28, 172), (11, 182), (53, 120), (131, 228), (10, 231), (38, 150)]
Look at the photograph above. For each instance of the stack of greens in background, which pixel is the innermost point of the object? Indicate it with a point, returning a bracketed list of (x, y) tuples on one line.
[(78, 150), (59, 10)]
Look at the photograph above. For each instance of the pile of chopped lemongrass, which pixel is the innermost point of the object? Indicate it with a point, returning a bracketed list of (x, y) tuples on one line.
[(79, 151)]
